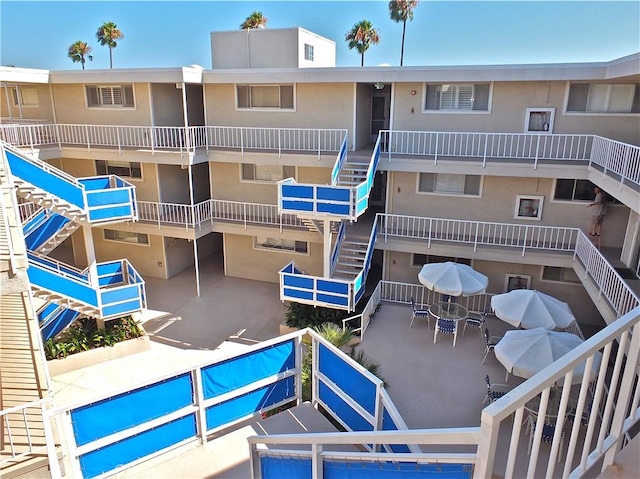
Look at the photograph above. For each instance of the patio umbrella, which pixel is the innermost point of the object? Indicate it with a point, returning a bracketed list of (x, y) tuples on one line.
[(454, 279), (524, 352), (527, 308)]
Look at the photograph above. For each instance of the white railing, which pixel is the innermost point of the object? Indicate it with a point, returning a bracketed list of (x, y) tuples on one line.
[(367, 314), (611, 286), (478, 233), (173, 137), (275, 139), (590, 425), (27, 210), (23, 427), (191, 216), (617, 157), (613, 156), (22, 121)]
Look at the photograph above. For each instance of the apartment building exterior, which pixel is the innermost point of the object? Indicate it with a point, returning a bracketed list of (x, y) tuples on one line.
[(259, 166)]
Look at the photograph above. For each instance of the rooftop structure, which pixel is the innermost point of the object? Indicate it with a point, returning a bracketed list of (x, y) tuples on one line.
[(337, 185)]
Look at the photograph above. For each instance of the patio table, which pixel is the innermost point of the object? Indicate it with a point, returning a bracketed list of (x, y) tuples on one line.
[(553, 405), (445, 310)]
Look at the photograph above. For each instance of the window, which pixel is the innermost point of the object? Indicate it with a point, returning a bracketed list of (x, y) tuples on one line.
[(573, 190), (263, 242), (265, 96), (126, 237), (270, 173), (604, 98), (528, 207), (308, 52), (26, 97), (419, 260), (123, 169), (560, 275), (516, 281), (450, 184), (457, 97), (539, 120), (117, 96)]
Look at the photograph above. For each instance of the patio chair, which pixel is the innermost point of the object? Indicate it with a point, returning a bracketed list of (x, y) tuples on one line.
[(475, 320), (490, 342), (548, 431), (494, 391), (419, 313), (446, 326)]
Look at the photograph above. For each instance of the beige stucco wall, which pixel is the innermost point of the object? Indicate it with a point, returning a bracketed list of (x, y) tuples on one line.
[(180, 253), (173, 182), (510, 101), (226, 183), (71, 107), (242, 260), (146, 188), (149, 260), (318, 105), (167, 105), (43, 111), (498, 202), (399, 268)]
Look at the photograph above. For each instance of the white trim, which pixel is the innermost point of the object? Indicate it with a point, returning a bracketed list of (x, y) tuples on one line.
[(532, 198), (548, 126), (509, 276)]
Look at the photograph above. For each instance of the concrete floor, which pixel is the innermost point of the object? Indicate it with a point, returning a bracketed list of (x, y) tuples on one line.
[(432, 385)]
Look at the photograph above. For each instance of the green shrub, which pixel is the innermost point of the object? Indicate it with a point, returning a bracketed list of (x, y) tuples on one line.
[(84, 334), (302, 316)]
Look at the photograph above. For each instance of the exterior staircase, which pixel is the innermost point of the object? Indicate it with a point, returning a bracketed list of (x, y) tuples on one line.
[(352, 256), (352, 173)]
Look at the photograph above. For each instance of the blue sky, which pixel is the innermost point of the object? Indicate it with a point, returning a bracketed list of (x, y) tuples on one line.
[(36, 34)]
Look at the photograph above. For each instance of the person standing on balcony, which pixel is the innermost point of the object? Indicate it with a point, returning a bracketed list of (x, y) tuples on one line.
[(600, 202)]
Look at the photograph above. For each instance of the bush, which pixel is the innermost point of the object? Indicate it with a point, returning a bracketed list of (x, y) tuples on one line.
[(84, 334), (302, 316)]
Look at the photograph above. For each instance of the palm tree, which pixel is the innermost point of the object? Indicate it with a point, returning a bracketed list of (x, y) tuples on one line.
[(108, 34), (401, 11), (361, 36), (255, 20), (80, 52)]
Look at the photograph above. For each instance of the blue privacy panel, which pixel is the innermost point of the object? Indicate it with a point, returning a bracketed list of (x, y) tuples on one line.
[(338, 287), (135, 447), (110, 212), (249, 403), (61, 284), (297, 205), (32, 173), (276, 467), (132, 408), (56, 324), (351, 381), (389, 425), (123, 293), (393, 470), (48, 226), (334, 194), (297, 294), (108, 197), (298, 281), (240, 371), (335, 300), (335, 209), (297, 191), (95, 183), (346, 413), (121, 309)]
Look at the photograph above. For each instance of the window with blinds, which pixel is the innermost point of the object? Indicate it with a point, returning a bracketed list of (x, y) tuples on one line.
[(603, 98), (449, 184), (280, 244), (457, 97), (24, 97), (265, 96), (110, 96), (268, 173)]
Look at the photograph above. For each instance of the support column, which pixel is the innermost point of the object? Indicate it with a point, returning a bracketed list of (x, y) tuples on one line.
[(195, 241), (93, 267), (326, 234)]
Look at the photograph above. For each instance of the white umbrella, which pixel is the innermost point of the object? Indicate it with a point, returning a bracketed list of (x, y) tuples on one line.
[(524, 352), (454, 279), (527, 308)]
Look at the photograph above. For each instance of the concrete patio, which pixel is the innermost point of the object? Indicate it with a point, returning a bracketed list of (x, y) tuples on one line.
[(432, 385)]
